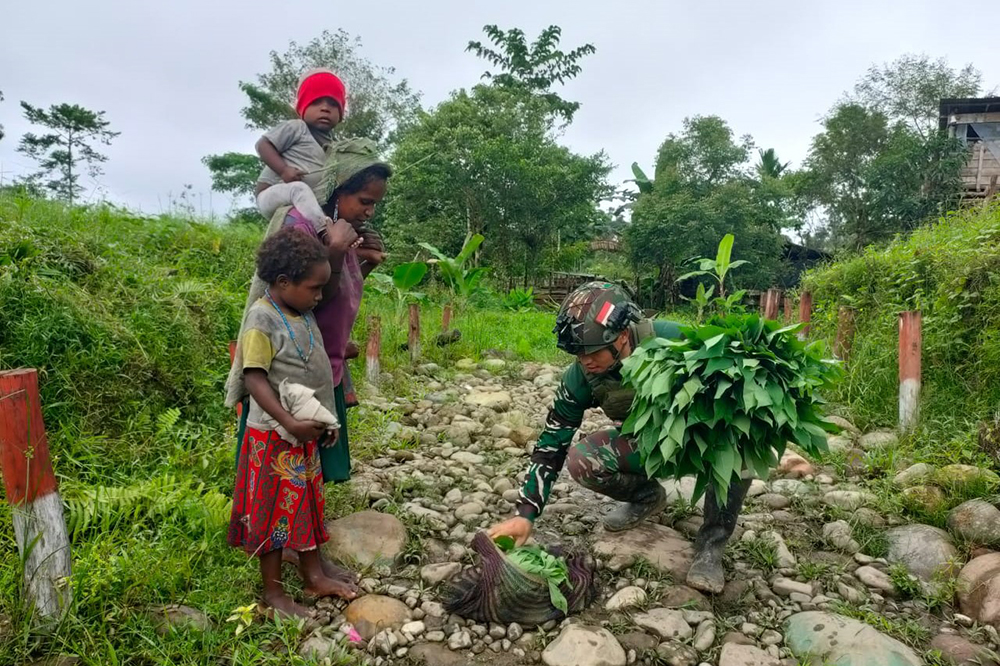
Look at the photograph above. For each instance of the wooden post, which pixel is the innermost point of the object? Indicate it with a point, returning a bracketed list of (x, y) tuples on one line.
[(763, 302), (414, 339), (789, 307), (805, 313), (446, 318), (30, 484), (372, 366), (771, 303), (909, 369), (845, 333)]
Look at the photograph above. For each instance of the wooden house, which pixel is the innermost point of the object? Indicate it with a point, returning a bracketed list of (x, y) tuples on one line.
[(976, 123)]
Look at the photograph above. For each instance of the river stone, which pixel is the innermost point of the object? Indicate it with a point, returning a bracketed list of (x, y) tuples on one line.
[(979, 589), (435, 654), (958, 477), (374, 613), (468, 458), (582, 645), (498, 401), (365, 538), (843, 424), (639, 641), (627, 597), (318, 647), (734, 654), (878, 439), (839, 640), (925, 551), (840, 536), (794, 466), (876, 579), (665, 623), (960, 651), (676, 654), (432, 574), (774, 501), (176, 617), (682, 596), (521, 435), (662, 547), (790, 487), (839, 443), (848, 500), (977, 521), (929, 499), (915, 475)]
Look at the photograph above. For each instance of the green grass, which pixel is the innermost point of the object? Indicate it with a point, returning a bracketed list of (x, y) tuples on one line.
[(127, 320), (907, 630), (950, 271)]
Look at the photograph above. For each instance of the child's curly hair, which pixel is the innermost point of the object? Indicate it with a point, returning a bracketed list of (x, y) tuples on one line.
[(290, 252)]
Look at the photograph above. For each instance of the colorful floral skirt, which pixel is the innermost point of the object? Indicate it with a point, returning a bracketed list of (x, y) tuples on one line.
[(278, 500)]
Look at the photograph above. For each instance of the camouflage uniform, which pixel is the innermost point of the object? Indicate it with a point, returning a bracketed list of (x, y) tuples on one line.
[(605, 461)]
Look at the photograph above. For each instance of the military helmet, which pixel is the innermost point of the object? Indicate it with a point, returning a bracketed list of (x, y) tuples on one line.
[(593, 316)]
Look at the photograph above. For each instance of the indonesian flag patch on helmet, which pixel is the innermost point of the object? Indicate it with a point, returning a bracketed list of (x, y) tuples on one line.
[(605, 314)]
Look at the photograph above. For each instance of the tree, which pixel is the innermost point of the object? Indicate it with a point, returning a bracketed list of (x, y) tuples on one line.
[(485, 161), (876, 178), (69, 145), (701, 191), (534, 68), (377, 105), (910, 89), (769, 166)]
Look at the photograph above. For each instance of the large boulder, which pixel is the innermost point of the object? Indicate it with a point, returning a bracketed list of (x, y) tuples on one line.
[(966, 477), (960, 651), (666, 549), (915, 475), (878, 439), (581, 645), (374, 613), (977, 521), (365, 538), (927, 552), (833, 639), (979, 589)]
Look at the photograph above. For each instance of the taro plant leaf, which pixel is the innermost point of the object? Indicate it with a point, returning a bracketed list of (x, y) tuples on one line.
[(407, 276)]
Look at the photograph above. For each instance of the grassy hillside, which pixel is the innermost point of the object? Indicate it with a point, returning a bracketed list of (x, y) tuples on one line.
[(951, 272), (128, 319)]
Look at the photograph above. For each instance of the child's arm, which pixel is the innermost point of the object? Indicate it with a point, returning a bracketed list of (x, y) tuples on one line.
[(262, 393), (273, 159)]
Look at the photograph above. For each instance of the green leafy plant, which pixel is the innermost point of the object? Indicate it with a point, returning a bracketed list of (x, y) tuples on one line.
[(536, 561), (702, 299), (463, 280), (726, 397), (520, 300), (718, 268), (401, 283)]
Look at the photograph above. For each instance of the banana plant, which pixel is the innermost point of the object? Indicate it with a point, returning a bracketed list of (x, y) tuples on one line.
[(402, 281), (702, 299), (718, 268), (462, 280)]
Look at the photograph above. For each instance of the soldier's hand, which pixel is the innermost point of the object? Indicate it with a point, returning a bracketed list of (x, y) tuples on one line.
[(517, 528)]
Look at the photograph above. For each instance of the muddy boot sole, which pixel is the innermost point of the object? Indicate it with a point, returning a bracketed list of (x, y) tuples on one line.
[(630, 514), (707, 574)]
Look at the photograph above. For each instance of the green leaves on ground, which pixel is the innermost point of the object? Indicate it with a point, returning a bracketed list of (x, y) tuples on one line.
[(724, 398), (538, 562)]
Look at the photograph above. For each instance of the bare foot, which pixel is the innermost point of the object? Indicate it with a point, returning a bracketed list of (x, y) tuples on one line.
[(283, 605), (331, 570), (324, 586)]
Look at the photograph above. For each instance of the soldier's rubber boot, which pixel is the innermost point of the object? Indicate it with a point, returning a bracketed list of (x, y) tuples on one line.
[(647, 499), (707, 573)]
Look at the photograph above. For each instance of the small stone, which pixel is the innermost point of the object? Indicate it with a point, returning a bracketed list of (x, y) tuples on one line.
[(704, 637), (435, 636), (498, 401), (786, 587), (432, 574), (850, 594), (676, 654), (638, 641), (318, 647), (840, 536), (734, 654), (774, 501), (794, 466), (433, 609), (581, 645), (849, 500), (838, 443), (771, 637), (460, 640), (878, 439), (413, 628), (914, 475), (977, 521), (628, 597), (790, 487), (175, 617), (469, 510), (665, 623), (785, 559), (682, 596)]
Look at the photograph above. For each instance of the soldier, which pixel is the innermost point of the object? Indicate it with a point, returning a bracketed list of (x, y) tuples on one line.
[(600, 325)]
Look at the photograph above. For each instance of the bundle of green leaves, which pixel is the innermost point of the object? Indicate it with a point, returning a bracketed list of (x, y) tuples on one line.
[(538, 562), (726, 397)]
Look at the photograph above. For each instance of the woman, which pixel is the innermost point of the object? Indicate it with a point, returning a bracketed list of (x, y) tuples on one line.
[(355, 181)]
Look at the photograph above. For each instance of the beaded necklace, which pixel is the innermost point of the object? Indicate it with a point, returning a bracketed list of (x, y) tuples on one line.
[(305, 318)]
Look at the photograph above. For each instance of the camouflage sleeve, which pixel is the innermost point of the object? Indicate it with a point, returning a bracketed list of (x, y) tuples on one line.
[(573, 398)]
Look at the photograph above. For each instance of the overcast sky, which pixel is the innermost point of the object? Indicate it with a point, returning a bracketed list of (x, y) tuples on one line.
[(166, 73)]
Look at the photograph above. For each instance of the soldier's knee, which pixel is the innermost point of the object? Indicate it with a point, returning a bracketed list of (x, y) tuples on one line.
[(585, 465)]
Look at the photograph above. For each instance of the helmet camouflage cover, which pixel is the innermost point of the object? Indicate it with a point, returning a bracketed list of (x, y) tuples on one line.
[(592, 317)]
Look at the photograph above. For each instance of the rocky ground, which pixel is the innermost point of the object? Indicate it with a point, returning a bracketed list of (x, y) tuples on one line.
[(824, 567)]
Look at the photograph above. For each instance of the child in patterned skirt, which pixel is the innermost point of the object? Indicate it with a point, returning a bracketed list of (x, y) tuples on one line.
[(278, 500)]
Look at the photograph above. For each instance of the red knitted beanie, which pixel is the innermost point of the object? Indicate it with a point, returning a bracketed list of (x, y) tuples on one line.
[(317, 85)]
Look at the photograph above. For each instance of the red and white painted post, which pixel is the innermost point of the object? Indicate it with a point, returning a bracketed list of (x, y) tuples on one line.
[(771, 301), (372, 365), (30, 484), (845, 333), (446, 318), (805, 313), (414, 338), (909, 369)]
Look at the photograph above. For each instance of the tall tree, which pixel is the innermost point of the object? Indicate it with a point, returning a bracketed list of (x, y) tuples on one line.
[(67, 147), (485, 161), (702, 190), (535, 67), (910, 88), (377, 103)]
